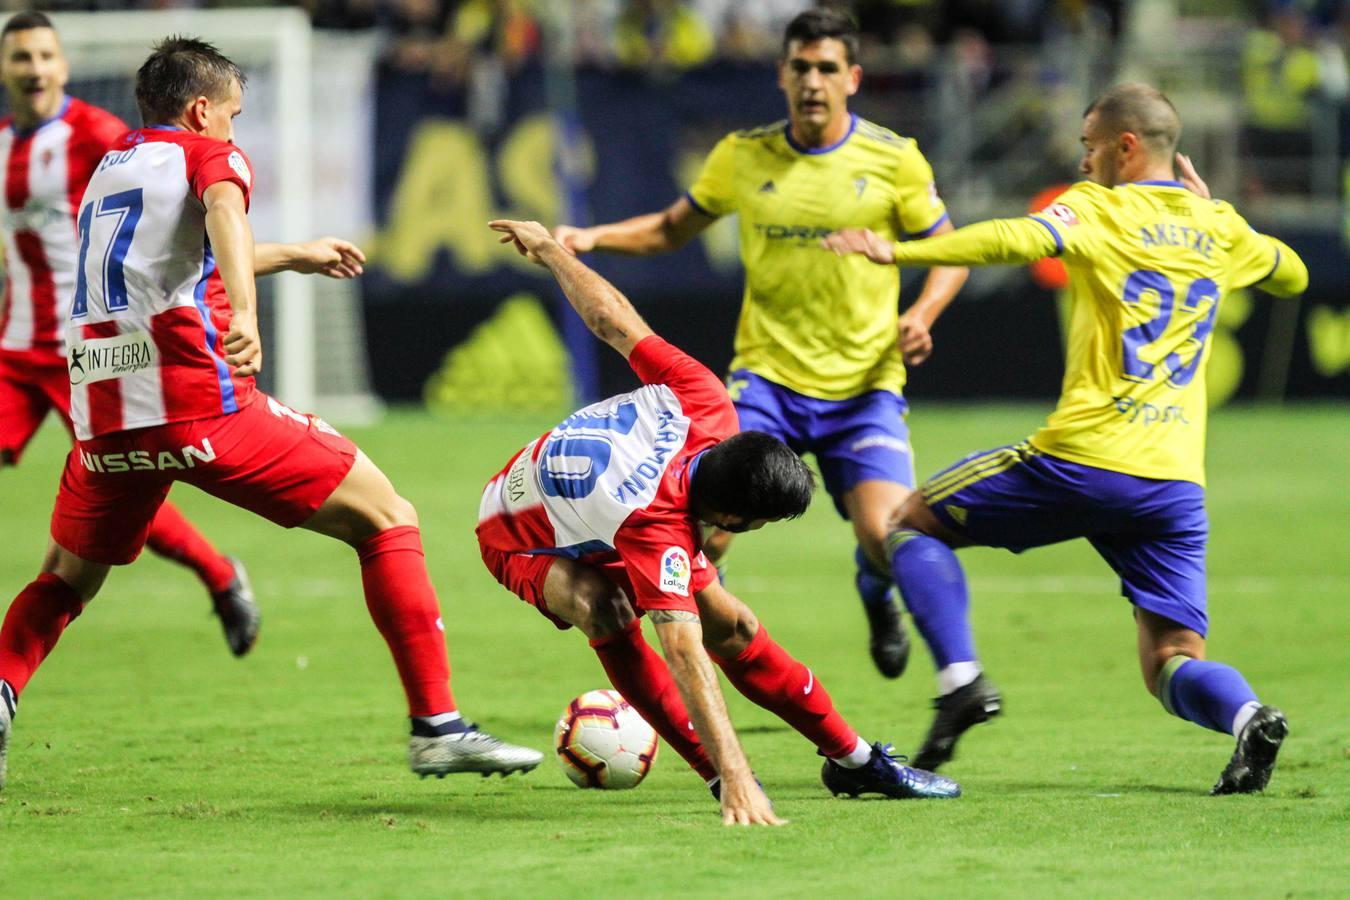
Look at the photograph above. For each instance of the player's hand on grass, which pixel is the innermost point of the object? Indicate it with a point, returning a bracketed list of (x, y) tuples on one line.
[(574, 240), (530, 238), (914, 340), (329, 256), (243, 347), (860, 240), (745, 803), (1190, 178)]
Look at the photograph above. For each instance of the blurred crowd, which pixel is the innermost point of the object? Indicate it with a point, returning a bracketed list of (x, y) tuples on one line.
[(1292, 66)]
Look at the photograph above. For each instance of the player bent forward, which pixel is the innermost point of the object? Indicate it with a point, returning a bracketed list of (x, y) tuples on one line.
[(164, 318), (602, 514)]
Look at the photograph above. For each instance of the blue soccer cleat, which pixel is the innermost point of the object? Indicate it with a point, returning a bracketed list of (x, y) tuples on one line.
[(884, 774)]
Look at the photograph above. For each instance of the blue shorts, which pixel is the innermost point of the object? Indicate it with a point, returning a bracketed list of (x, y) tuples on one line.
[(863, 438), (1152, 532)]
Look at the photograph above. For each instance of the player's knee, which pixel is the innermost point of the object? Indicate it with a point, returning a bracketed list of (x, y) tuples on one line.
[(604, 608), (83, 577), (402, 513), (1153, 660)]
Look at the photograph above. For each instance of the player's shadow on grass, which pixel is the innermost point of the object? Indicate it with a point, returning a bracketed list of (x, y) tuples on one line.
[(763, 729), (1072, 788)]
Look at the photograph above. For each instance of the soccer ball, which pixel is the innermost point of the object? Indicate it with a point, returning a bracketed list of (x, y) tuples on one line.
[(602, 742)]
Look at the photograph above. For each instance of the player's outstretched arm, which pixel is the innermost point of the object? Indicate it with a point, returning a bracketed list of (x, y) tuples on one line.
[(991, 243), (604, 309), (329, 256), (914, 337), (644, 235), (1290, 275), (681, 636), (232, 243)]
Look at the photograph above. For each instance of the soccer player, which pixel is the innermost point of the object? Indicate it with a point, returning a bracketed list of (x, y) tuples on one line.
[(49, 146), (820, 357), (163, 339), (1121, 460), (601, 516)]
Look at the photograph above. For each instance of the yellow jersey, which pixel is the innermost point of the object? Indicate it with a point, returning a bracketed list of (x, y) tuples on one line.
[(820, 324), (1148, 264)]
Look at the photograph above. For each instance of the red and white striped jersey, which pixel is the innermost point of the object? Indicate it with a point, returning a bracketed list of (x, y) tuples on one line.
[(613, 480), (46, 170), (149, 313)]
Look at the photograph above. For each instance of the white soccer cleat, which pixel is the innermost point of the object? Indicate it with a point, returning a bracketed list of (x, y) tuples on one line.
[(468, 751)]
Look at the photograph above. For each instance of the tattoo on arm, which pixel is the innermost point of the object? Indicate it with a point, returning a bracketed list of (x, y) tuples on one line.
[(662, 616)]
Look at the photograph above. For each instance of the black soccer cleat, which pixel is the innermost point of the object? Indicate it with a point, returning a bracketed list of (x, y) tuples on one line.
[(1249, 770), (970, 705), (889, 643), (884, 774), (238, 611)]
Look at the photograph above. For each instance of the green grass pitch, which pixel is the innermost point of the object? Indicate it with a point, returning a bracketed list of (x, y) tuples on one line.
[(147, 762)]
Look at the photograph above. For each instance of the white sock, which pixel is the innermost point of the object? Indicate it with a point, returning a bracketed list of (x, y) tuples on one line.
[(440, 719), (956, 676), (862, 752), (1244, 715)]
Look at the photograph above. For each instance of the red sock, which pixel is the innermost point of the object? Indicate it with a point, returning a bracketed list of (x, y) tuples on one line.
[(765, 673), (33, 625), (174, 537), (403, 604), (644, 680)]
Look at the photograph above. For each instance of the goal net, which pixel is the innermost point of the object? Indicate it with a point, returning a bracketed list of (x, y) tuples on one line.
[(312, 327)]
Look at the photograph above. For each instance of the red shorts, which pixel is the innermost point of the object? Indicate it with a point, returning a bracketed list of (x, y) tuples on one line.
[(266, 458), (523, 574), (31, 384)]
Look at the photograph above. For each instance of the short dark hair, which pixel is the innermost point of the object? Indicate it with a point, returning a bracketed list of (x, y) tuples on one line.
[(1142, 110), (753, 476), (826, 22), (26, 21), (180, 70)]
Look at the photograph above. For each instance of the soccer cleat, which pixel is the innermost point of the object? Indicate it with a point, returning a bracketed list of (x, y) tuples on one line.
[(966, 706), (884, 774), (468, 751), (8, 704), (1249, 770), (238, 611), (890, 643)]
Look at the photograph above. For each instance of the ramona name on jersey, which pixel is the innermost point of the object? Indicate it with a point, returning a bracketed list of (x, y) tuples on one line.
[(649, 470), (1168, 234), (146, 461)]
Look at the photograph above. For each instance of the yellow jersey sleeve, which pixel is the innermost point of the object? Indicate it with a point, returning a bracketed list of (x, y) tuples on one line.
[(1264, 261), (714, 191), (919, 207), (1072, 221), (995, 242)]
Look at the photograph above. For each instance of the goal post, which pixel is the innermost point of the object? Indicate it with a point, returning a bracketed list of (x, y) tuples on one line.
[(274, 48)]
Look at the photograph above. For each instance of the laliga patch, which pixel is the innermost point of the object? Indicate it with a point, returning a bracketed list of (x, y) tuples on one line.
[(933, 199), (240, 167), (1060, 213), (675, 571)]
